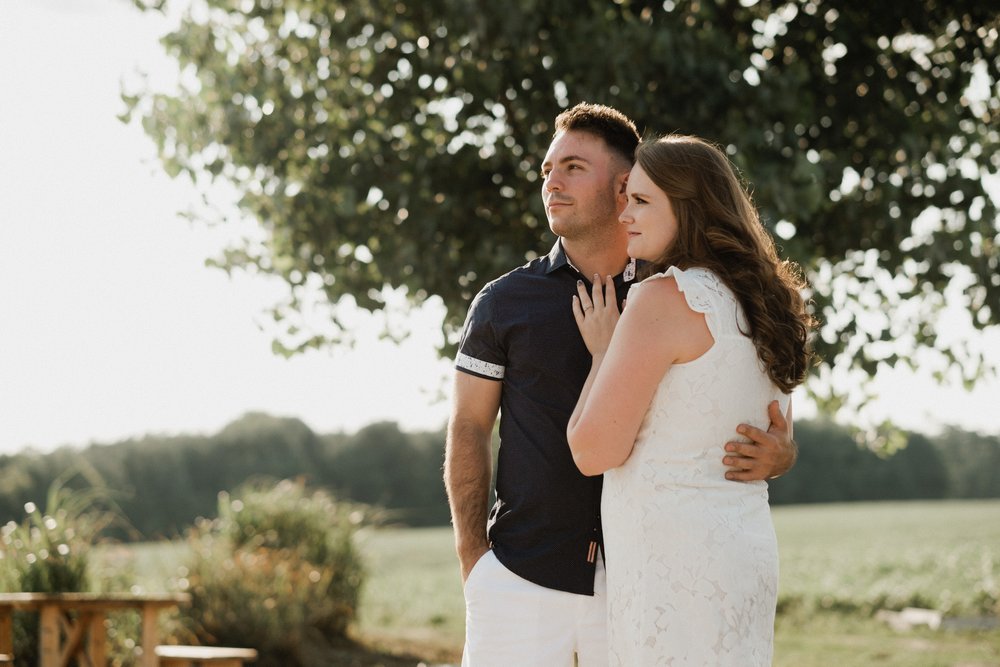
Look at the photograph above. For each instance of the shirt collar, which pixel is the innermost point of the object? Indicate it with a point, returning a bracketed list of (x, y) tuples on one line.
[(557, 258)]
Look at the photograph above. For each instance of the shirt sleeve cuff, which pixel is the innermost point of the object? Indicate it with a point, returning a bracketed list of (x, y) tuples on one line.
[(479, 367)]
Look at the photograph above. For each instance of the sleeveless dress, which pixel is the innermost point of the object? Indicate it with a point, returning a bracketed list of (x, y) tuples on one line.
[(692, 560)]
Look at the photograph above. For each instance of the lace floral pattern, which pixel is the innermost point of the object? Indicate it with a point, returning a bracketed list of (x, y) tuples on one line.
[(692, 558)]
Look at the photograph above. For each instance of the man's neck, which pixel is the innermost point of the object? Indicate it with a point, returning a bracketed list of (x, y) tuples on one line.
[(605, 257)]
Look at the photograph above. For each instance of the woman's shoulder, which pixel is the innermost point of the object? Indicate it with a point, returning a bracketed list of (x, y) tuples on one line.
[(700, 286), (658, 283), (665, 310), (659, 299), (684, 277)]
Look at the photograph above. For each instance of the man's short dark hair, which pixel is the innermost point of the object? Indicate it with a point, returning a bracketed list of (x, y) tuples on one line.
[(611, 125)]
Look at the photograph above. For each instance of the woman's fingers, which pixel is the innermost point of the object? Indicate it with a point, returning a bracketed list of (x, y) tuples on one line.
[(586, 302), (598, 292), (605, 295), (577, 311), (596, 312), (600, 296)]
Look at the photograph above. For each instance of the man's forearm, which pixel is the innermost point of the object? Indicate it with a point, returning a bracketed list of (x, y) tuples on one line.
[(467, 473)]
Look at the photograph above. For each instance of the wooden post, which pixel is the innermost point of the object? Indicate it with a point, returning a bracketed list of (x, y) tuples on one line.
[(48, 636), (97, 639), (76, 636), (7, 632), (150, 635)]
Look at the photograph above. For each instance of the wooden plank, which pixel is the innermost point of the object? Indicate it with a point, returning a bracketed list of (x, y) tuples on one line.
[(7, 633), (48, 636), (75, 633), (205, 653), (77, 600), (97, 641), (150, 635), (86, 635)]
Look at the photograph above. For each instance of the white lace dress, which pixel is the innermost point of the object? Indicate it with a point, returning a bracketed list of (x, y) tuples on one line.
[(692, 561)]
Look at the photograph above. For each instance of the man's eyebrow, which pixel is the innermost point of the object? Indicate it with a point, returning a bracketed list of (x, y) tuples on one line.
[(568, 158)]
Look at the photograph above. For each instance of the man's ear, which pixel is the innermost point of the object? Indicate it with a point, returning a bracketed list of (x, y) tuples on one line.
[(621, 181), (621, 191)]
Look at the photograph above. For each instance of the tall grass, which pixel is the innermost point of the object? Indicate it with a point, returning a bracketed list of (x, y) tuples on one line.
[(839, 563), (859, 558), (414, 588), (49, 551)]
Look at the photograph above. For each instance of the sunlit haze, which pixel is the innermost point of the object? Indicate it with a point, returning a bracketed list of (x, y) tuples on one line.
[(112, 326)]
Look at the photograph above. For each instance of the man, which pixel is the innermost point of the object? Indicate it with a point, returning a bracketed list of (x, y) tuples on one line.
[(536, 597)]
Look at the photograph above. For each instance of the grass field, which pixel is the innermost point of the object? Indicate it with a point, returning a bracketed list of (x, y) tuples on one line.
[(839, 565)]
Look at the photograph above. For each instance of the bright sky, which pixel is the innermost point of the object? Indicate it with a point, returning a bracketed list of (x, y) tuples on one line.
[(112, 327)]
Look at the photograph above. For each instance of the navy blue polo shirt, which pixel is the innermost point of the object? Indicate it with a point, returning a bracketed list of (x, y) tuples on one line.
[(545, 525)]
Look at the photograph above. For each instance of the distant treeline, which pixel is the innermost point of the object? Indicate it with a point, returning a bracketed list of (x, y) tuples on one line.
[(162, 483)]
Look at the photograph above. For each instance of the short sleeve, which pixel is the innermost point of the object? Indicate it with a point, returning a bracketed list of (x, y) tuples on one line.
[(479, 351), (705, 293)]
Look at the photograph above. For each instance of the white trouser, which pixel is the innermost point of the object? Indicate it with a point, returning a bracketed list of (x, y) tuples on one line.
[(510, 621)]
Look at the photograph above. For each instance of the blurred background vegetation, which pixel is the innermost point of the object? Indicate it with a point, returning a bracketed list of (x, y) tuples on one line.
[(389, 151), (162, 484), (388, 147), (302, 544)]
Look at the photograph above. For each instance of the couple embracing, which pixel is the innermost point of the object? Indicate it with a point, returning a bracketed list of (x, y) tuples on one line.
[(631, 524)]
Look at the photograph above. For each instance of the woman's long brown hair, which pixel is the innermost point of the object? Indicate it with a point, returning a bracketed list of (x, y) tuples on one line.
[(719, 229)]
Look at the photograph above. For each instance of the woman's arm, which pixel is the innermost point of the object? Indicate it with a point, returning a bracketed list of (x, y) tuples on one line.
[(657, 330)]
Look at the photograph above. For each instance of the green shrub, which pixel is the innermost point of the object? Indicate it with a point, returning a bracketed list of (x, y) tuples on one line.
[(8, 573), (277, 571), (48, 552)]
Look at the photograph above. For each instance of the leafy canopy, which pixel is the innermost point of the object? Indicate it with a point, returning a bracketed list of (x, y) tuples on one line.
[(392, 147)]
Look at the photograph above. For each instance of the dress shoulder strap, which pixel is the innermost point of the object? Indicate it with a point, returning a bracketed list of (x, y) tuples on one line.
[(705, 293)]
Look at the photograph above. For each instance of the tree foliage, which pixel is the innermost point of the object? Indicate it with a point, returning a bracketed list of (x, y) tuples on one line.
[(165, 483), (392, 146)]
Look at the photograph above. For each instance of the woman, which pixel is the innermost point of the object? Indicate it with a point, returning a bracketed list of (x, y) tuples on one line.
[(716, 330)]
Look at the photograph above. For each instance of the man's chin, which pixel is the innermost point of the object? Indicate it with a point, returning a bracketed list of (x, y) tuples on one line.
[(559, 226)]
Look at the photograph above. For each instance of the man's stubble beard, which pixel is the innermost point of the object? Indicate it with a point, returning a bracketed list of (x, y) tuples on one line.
[(587, 226)]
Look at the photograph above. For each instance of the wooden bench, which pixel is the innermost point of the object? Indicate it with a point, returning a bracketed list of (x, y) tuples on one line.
[(220, 656)]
